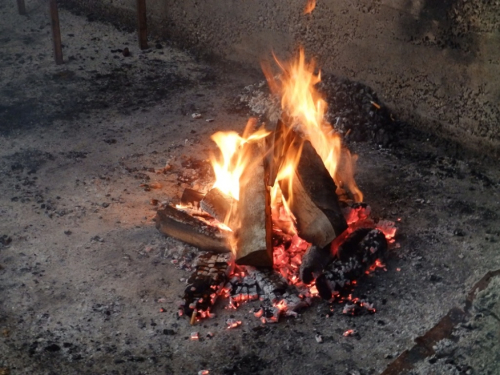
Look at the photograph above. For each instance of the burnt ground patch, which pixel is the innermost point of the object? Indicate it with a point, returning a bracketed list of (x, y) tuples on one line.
[(67, 95)]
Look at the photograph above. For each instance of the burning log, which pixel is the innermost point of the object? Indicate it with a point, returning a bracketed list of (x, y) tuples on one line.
[(356, 255), (278, 143), (205, 284), (191, 197), (180, 225), (218, 204), (252, 226), (314, 202)]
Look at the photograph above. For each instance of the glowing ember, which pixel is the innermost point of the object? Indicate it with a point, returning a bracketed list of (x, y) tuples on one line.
[(349, 332), (311, 4), (233, 323), (194, 336)]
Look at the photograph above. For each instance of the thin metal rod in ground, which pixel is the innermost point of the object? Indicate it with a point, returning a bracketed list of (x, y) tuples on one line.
[(56, 32), (142, 28), (21, 7)]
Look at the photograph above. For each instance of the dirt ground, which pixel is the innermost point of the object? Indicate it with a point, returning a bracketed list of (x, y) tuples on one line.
[(84, 274)]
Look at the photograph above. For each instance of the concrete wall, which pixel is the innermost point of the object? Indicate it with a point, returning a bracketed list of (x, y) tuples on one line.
[(436, 63)]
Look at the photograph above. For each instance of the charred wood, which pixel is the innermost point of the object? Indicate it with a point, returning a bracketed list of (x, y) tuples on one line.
[(205, 284), (242, 290), (271, 283), (182, 226), (355, 256), (313, 262), (191, 198), (278, 297)]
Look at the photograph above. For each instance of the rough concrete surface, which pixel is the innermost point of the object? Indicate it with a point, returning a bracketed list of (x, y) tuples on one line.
[(84, 274), (436, 63)]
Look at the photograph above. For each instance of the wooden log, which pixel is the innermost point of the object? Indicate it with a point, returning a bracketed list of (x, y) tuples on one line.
[(56, 32), (277, 144), (182, 226), (314, 202), (21, 7), (218, 204), (191, 197), (142, 28), (252, 226)]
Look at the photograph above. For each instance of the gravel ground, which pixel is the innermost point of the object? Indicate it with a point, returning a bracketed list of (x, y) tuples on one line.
[(85, 276)]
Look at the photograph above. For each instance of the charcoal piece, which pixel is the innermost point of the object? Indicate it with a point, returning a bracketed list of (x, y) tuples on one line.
[(323, 287), (351, 245), (271, 283), (271, 314), (206, 283), (313, 262), (356, 255)]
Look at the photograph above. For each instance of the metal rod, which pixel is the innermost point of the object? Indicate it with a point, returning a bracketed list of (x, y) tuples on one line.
[(142, 28), (56, 32), (21, 7)]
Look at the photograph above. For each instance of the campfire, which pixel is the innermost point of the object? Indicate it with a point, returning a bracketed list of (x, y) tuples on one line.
[(284, 221)]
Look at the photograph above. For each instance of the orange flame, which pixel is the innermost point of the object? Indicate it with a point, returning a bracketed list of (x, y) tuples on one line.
[(229, 168), (311, 4), (303, 104)]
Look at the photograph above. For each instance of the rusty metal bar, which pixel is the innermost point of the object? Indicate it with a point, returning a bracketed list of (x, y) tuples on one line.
[(142, 28), (56, 32), (21, 7)]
